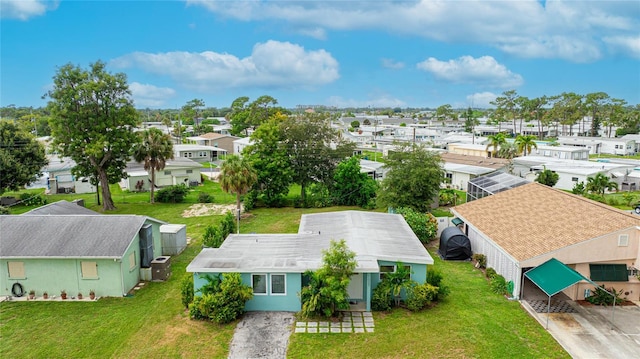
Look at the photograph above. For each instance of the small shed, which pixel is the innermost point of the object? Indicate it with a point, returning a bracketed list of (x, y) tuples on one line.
[(174, 238), (454, 245)]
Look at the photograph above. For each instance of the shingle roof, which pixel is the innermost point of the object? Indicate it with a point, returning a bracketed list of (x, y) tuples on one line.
[(372, 236), (534, 219), (60, 208), (67, 236)]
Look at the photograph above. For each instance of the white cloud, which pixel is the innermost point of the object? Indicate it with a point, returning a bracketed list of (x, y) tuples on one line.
[(566, 29), (391, 64), (316, 33), (625, 44), (272, 64), (25, 9), (481, 99), (484, 71), (145, 95)]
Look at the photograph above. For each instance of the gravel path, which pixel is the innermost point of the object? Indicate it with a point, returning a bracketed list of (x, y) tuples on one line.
[(262, 335)]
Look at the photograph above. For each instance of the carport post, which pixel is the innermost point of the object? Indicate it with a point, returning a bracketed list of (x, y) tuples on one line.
[(548, 309)]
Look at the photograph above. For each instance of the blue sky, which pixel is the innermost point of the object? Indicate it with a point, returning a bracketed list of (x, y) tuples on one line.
[(335, 52)]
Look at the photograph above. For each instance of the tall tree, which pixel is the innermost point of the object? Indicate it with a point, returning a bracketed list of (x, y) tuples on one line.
[(470, 122), (534, 110), (268, 156), (595, 103), (154, 149), (413, 178), (92, 122), (507, 106), (236, 176), (444, 112), (21, 157), (245, 115), (314, 149), (600, 183), (524, 143), (351, 187), (495, 141)]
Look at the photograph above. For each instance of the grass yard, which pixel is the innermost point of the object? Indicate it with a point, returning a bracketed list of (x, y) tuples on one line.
[(471, 322)]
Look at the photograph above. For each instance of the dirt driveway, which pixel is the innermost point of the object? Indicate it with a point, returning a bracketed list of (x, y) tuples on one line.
[(591, 334), (262, 335)]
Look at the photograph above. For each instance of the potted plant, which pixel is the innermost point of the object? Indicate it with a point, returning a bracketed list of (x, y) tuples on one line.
[(92, 294), (32, 294), (63, 294), (79, 295), (45, 295)]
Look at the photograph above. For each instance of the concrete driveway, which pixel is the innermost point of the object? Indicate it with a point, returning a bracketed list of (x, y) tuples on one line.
[(262, 335), (590, 333)]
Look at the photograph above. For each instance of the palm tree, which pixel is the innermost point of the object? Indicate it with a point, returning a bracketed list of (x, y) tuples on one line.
[(496, 141), (237, 176), (600, 183), (524, 143), (154, 150)]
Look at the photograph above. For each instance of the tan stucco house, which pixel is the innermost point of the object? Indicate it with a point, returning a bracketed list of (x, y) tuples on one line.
[(523, 227)]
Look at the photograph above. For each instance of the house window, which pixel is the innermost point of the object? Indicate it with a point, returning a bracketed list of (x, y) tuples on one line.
[(386, 269), (202, 154), (278, 284), (89, 270), (391, 269), (574, 179), (189, 171), (609, 272), (16, 270), (623, 240), (259, 284), (132, 260), (167, 172)]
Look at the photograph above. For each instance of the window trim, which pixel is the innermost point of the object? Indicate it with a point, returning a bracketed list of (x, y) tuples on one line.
[(382, 274), (132, 261), (623, 240), (284, 277), (266, 284)]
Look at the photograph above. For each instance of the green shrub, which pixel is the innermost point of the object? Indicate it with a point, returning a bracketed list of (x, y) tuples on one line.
[(424, 225), (381, 299), (600, 297), (434, 278), (250, 200), (222, 303), (420, 296), (30, 199), (172, 194), (498, 284), (212, 237), (204, 197), (186, 291), (480, 259), (490, 273), (4, 210), (228, 224)]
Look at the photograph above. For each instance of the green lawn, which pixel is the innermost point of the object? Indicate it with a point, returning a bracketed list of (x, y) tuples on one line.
[(471, 322)]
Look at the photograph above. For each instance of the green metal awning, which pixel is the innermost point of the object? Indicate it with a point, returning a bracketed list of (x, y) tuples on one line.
[(554, 276), (457, 221)]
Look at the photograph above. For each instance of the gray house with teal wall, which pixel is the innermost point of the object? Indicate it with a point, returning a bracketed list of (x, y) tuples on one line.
[(75, 252), (274, 264)]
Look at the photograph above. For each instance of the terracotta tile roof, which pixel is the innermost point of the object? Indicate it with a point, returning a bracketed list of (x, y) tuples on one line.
[(534, 219), (213, 135), (494, 163)]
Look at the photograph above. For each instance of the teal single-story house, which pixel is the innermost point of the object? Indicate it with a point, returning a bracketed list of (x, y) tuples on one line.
[(274, 264), (75, 252)]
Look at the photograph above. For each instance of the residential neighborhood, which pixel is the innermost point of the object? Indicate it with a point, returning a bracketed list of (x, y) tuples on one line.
[(319, 179)]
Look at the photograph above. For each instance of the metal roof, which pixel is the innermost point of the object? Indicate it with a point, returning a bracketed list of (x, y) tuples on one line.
[(59, 236), (372, 236), (61, 207), (497, 182)]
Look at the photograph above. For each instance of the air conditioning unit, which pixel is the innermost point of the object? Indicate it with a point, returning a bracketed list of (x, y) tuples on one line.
[(161, 268)]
